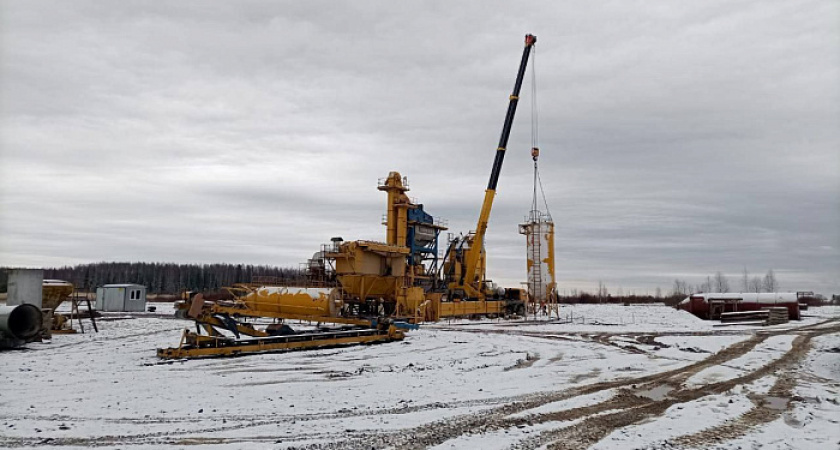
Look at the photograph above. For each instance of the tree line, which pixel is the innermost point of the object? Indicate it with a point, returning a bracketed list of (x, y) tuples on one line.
[(720, 283), (161, 278), (716, 283), (604, 296)]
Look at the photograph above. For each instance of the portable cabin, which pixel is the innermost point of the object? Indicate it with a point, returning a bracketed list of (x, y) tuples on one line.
[(126, 297)]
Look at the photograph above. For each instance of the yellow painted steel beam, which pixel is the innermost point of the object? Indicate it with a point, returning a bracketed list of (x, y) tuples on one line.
[(243, 329), (552, 285), (243, 312), (472, 308), (258, 346)]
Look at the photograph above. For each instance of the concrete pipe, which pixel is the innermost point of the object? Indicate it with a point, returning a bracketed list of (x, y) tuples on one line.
[(21, 322)]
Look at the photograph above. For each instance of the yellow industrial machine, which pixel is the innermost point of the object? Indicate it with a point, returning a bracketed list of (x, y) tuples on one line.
[(393, 278), (53, 294), (466, 256), (226, 321), (402, 277), (382, 287)]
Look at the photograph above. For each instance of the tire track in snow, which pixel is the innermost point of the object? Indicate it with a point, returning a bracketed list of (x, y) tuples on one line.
[(589, 431), (629, 409), (635, 408), (436, 433)]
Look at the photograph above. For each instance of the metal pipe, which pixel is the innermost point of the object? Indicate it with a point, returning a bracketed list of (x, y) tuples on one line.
[(21, 322)]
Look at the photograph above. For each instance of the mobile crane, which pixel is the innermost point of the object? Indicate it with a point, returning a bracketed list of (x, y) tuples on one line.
[(383, 287), (465, 266), (402, 278)]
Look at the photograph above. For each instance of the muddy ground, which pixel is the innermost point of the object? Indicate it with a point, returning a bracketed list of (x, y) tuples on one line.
[(452, 386)]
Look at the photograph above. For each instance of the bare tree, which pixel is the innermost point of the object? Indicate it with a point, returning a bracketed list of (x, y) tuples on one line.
[(721, 284), (602, 291), (680, 287), (658, 292), (745, 281), (770, 283), (706, 286), (755, 284)]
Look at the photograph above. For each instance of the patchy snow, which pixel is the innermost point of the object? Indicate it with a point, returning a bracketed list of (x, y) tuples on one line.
[(502, 439), (764, 353), (604, 317), (824, 361), (760, 386), (109, 388), (641, 318), (810, 425), (111, 383), (574, 402), (821, 312), (696, 348), (680, 419)]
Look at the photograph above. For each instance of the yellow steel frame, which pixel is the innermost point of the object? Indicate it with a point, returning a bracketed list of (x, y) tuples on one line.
[(209, 321), (197, 346), (475, 276), (244, 312)]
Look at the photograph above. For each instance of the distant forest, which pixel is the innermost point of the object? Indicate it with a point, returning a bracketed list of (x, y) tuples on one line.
[(160, 278)]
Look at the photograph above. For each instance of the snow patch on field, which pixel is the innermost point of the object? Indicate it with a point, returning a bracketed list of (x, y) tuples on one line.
[(764, 353), (678, 420), (502, 439), (112, 384), (806, 427), (563, 405), (696, 348), (824, 361), (609, 317)]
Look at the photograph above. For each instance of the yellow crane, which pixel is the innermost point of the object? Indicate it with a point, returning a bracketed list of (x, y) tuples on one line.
[(466, 257), (383, 287)]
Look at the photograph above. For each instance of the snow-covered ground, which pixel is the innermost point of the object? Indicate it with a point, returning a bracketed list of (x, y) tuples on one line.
[(607, 376)]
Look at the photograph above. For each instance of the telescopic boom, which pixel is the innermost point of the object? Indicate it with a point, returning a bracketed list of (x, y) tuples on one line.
[(474, 253)]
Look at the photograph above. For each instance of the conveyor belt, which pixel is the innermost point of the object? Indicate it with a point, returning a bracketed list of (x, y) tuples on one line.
[(198, 346)]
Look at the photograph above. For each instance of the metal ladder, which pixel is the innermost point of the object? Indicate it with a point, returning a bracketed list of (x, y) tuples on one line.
[(75, 301)]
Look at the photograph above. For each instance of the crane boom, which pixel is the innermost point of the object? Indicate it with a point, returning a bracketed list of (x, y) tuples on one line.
[(473, 255)]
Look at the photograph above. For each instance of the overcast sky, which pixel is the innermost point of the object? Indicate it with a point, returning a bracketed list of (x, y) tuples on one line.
[(678, 138)]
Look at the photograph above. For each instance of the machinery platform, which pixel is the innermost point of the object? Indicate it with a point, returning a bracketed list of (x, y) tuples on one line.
[(199, 346)]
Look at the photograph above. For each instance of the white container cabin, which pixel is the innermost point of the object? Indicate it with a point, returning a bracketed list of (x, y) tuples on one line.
[(126, 297)]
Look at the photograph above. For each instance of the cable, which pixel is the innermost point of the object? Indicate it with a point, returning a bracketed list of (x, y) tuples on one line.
[(535, 132), (535, 138), (545, 202)]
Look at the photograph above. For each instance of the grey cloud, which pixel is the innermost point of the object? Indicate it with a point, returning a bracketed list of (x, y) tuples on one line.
[(678, 139)]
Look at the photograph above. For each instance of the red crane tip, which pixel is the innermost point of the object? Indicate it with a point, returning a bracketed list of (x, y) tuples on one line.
[(530, 39)]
